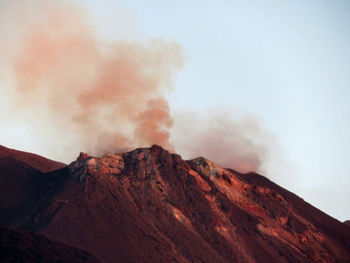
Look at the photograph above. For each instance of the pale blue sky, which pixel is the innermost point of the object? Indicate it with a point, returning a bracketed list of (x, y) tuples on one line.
[(287, 62)]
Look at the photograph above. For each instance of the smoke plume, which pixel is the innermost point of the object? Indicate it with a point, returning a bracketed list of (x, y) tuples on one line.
[(232, 139), (79, 93), (111, 95)]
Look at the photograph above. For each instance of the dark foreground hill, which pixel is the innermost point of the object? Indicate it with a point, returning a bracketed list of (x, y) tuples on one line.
[(148, 205), (19, 246)]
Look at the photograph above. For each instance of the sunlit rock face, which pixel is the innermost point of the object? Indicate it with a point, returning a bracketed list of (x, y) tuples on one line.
[(149, 205), (109, 164)]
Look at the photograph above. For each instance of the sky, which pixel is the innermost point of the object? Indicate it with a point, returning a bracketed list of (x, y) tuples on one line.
[(280, 66)]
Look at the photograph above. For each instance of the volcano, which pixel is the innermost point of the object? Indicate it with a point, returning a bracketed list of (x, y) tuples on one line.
[(149, 205)]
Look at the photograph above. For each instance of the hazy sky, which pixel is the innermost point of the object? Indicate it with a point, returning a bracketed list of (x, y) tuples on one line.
[(287, 63)]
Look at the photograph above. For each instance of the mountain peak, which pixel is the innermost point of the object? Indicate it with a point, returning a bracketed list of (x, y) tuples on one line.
[(114, 163), (108, 164), (149, 205), (83, 156)]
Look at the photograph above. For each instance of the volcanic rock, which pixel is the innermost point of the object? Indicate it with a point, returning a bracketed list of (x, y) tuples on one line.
[(20, 175), (148, 205), (35, 161)]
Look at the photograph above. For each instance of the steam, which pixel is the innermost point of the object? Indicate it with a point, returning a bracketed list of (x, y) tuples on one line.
[(232, 139), (218, 138), (79, 93), (110, 95)]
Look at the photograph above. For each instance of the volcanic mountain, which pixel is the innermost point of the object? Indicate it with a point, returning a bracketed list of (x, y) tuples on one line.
[(149, 205)]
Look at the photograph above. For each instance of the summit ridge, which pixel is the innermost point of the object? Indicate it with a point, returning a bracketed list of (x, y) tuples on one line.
[(150, 205)]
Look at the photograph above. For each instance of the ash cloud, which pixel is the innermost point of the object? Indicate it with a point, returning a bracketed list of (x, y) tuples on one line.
[(77, 92), (233, 139), (109, 96)]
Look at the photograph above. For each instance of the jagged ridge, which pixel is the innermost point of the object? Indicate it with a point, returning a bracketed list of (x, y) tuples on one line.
[(148, 205)]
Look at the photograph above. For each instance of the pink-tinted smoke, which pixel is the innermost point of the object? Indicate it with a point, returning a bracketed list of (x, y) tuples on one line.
[(232, 139), (111, 94), (80, 93)]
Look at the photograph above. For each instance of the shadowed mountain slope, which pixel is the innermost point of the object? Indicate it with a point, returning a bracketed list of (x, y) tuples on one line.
[(19, 246), (20, 174), (33, 160), (148, 205)]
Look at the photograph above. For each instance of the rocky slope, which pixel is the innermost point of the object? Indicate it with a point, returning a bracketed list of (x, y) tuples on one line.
[(19, 246), (35, 161), (20, 174), (148, 205)]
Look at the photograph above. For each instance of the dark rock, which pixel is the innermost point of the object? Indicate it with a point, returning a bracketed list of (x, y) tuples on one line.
[(20, 246)]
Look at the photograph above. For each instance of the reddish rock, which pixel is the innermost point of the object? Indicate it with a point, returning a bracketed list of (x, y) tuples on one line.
[(151, 206), (83, 156), (20, 173), (33, 160)]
